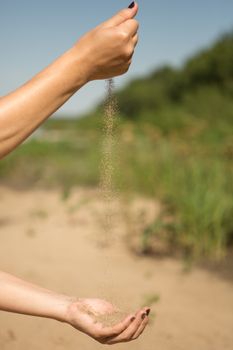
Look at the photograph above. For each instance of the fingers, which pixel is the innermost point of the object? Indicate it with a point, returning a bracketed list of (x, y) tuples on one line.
[(130, 27), (134, 330), (135, 40), (141, 328), (117, 329), (132, 46), (121, 17)]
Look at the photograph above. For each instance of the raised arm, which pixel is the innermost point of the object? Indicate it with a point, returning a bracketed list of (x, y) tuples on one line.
[(104, 52)]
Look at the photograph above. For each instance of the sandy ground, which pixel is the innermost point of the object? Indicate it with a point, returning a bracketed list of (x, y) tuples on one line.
[(58, 244)]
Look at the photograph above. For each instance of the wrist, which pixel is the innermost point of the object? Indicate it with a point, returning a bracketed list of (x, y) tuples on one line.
[(80, 65), (61, 309), (69, 72), (70, 310)]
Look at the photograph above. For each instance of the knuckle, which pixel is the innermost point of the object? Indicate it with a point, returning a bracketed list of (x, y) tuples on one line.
[(128, 51), (104, 341), (136, 23), (122, 35), (123, 14), (98, 336), (114, 333), (108, 342), (136, 39), (128, 338), (125, 70), (127, 67)]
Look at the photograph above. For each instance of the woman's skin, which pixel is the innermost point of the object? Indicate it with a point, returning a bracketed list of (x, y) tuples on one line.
[(102, 53), (25, 298)]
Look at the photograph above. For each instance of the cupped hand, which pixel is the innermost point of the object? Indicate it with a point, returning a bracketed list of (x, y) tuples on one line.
[(108, 49), (83, 315)]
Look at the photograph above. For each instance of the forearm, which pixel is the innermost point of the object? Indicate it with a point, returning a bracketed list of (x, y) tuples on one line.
[(23, 110), (102, 53), (22, 297)]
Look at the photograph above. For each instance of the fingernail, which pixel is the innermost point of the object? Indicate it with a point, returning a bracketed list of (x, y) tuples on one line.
[(143, 316), (132, 5), (148, 312), (132, 319)]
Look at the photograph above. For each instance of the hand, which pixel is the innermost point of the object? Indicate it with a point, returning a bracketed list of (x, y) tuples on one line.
[(83, 315), (108, 49)]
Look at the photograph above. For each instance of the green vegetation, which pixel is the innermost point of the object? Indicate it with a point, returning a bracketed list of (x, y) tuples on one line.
[(203, 88), (175, 139)]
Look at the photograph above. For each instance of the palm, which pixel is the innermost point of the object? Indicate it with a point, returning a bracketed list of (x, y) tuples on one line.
[(98, 306), (89, 316), (88, 313)]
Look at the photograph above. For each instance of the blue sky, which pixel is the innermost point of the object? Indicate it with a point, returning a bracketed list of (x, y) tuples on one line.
[(35, 32)]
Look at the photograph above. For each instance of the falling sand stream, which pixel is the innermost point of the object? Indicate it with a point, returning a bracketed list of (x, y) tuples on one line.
[(107, 162), (109, 196)]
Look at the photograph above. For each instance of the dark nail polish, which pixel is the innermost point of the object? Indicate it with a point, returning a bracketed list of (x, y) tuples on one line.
[(148, 312), (132, 5), (143, 316), (132, 319)]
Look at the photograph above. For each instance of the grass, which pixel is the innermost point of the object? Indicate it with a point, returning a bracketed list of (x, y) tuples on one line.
[(192, 176), (197, 195), (188, 168)]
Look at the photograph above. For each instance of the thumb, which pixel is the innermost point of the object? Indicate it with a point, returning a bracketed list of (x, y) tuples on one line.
[(122, 16)]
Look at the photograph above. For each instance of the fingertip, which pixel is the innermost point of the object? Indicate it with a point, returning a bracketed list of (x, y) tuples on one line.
[(128, 320), (147, 310), (136, 7), (133, 7)]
